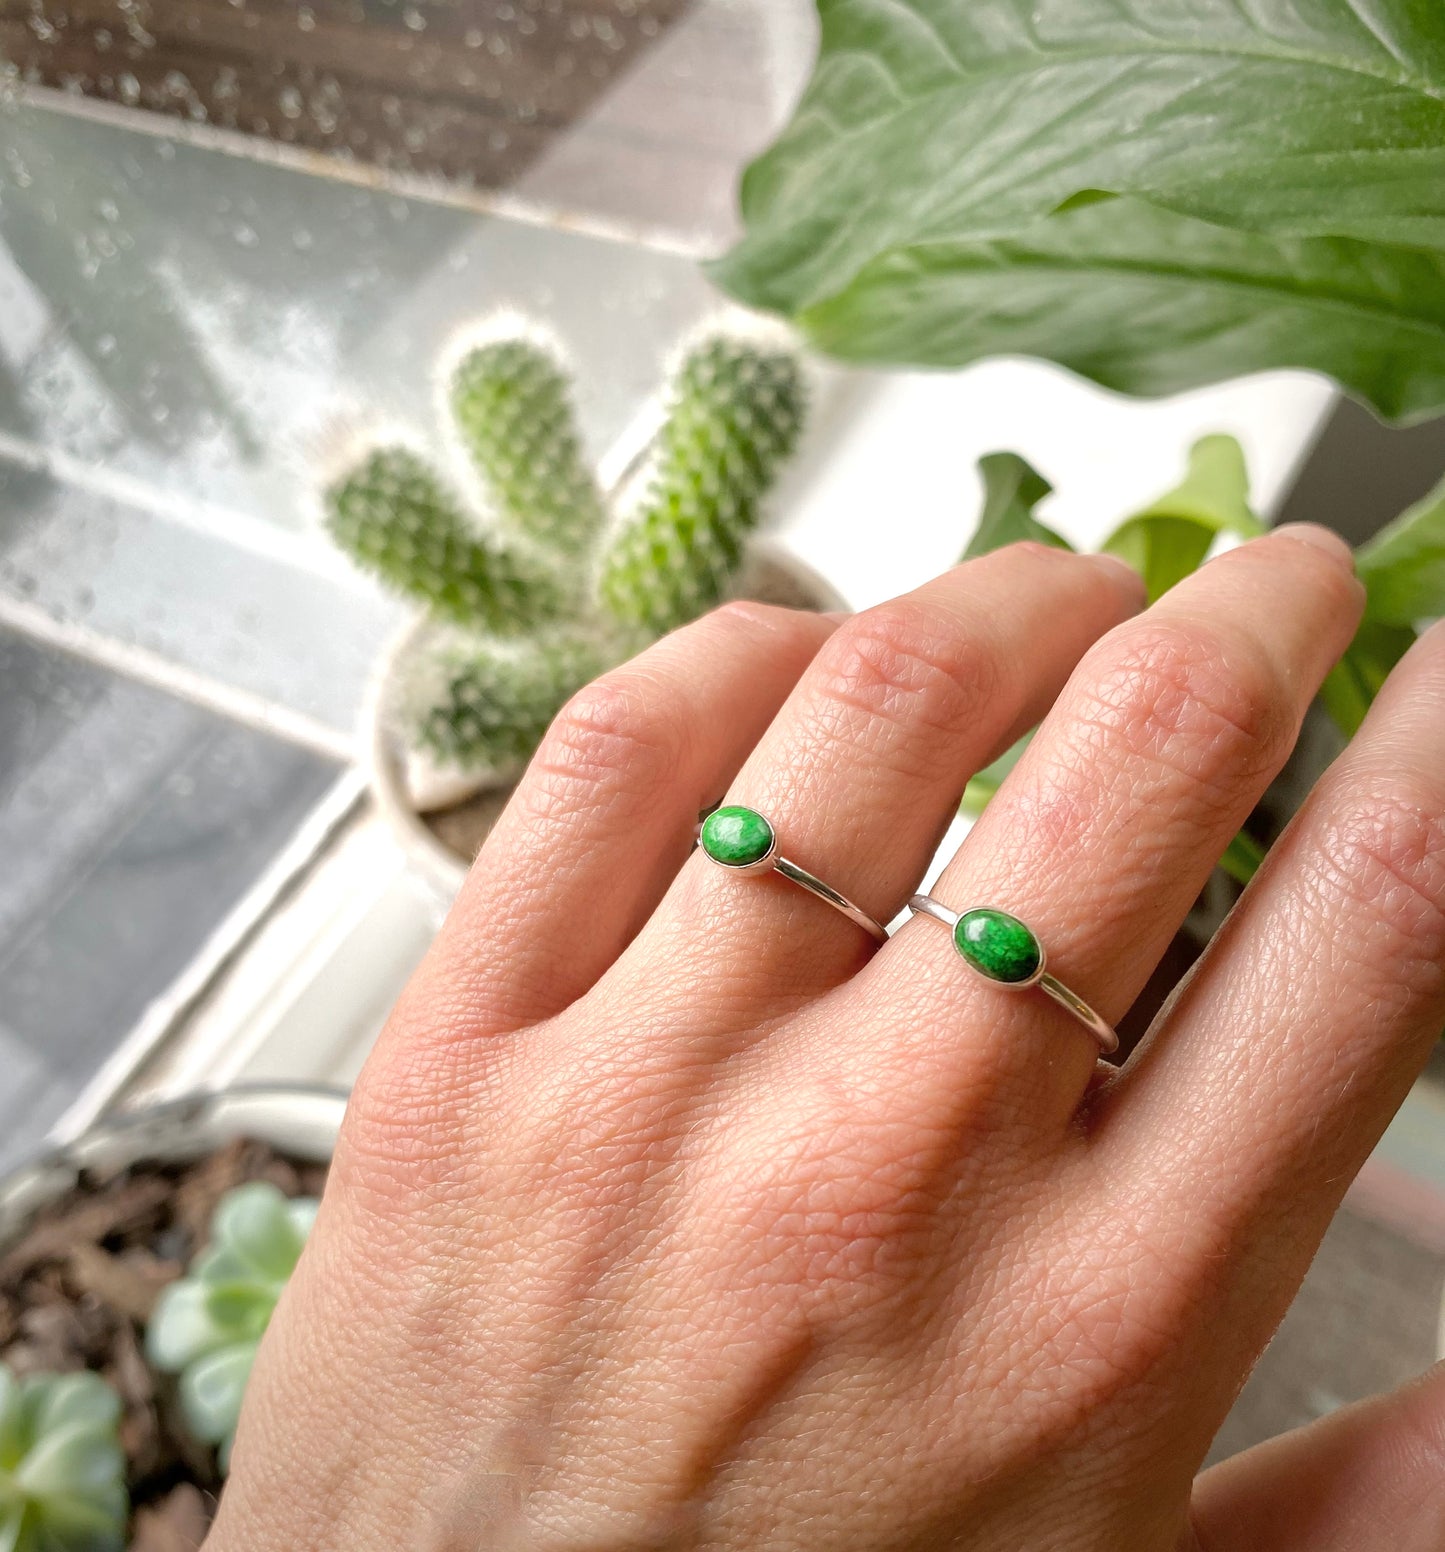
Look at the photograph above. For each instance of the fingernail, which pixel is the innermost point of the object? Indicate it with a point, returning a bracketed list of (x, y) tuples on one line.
[(1121, 572), (837, 616), (1321, 538)]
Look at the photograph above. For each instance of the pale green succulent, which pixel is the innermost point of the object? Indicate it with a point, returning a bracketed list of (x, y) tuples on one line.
[(208, 1326), (554, 592), (62, 1470)]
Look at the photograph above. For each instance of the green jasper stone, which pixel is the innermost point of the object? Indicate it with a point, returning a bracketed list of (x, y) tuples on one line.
[(998, 945), (736, 837)]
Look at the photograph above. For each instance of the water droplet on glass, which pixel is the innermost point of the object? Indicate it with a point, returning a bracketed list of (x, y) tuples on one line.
[(246, 236), (413, 19)]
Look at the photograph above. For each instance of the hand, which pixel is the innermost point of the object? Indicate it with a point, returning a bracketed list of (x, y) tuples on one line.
[(671, 1213)]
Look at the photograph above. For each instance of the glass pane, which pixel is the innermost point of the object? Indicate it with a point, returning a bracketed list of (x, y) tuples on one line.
[(131, 823)]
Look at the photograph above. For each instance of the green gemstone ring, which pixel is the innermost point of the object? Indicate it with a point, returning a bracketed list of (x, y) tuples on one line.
[(743, 841), (1004, 950)]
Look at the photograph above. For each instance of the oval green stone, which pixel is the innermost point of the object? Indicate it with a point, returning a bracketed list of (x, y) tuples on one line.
[(997, 945), (736, 837)]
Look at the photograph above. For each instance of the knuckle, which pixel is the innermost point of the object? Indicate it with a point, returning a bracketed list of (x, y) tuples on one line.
[(623, 733), (1384, 854), (902, 662), (1183, 696)]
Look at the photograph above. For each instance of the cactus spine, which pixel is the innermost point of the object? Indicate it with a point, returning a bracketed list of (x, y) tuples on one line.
[(533, 627)]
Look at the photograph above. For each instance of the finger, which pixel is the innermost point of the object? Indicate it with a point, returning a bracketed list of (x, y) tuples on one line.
[(1263, 1088), (1367, 1477), (863, 769), (1104, 834), (606, 813)]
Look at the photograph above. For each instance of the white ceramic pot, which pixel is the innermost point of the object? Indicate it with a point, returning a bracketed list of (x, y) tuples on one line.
[(770, 573)]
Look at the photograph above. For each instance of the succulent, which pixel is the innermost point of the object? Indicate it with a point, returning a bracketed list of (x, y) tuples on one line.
[(207, 1326), (62, 1471), (554, 590)]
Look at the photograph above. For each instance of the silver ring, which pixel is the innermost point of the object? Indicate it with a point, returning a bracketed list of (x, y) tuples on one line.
[(743, 841), (1004, 950)]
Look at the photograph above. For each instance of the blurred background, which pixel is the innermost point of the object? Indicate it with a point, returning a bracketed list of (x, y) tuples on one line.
[(238, 235)]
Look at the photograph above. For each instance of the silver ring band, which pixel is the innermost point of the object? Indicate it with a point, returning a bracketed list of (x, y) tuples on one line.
[(743, 841), (1002, 949)]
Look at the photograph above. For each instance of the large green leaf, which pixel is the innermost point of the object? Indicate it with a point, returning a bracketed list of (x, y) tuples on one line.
[(1403, 566), (1149, 302), (1171, 536), (1012, 488), (1353, 683), (947, 121)]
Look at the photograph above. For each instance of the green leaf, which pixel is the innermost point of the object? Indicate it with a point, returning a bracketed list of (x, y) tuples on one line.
[(980, 791), (947, 121), (1242, 858), (1148, 302), (1012, 488), (1403, 566), (1170, 538), (254, 1222), (181, 1327), (212, 1389), (1353, 683)]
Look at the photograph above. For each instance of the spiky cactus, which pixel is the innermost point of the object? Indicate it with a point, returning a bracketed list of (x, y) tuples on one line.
[(513, 408), (495, 700), (395, 518), (548, 598), (736, 414)]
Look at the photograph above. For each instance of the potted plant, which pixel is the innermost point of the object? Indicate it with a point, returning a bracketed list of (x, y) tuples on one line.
[(560, 582), (138, 1269)]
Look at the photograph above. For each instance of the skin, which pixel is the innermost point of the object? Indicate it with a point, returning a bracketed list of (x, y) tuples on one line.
[(670, 1212)]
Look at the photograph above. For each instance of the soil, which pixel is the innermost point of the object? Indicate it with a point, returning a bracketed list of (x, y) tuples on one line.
[(78, 1287)]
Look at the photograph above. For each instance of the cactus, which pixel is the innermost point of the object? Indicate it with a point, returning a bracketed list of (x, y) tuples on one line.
[(495, 700), (62, 1470), (207, 1326), (553, 598), (513, 408), (736, 415), (395, 518)]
